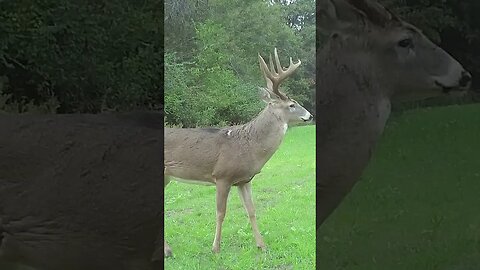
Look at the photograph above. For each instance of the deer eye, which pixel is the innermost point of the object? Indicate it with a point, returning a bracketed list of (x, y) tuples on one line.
[(292, 105), (406, 43)]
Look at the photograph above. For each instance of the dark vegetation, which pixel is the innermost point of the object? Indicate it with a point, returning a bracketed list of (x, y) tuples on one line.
[(80, 56)]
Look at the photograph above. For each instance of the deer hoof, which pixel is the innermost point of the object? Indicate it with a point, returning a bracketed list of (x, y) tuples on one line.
[(167, 251), (216, 250), (262, 247)]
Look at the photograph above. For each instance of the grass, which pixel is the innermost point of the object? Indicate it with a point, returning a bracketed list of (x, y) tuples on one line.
[(418, 204), (284, 196)]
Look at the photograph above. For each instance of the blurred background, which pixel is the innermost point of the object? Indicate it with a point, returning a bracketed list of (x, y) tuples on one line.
[(70, 56)]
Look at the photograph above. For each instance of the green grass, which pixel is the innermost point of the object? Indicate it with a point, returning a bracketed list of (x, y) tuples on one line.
[(284, 196), (418, 204)]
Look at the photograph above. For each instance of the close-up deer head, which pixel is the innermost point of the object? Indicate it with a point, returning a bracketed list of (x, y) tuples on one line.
[(395, 52), (371, 59)]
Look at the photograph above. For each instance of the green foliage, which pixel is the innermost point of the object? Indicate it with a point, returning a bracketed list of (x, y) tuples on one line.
[(9, 105), (90, 56), (215, 80), (206, 96)]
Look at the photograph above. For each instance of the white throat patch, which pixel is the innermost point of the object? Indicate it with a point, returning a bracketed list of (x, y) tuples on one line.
[(285, 127)]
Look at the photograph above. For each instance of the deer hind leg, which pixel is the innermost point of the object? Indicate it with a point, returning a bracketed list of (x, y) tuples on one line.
[(222, 191), (167, 251), (245, 192)]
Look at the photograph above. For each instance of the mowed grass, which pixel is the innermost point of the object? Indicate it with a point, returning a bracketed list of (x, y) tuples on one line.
[(284, 196), (418, 204)]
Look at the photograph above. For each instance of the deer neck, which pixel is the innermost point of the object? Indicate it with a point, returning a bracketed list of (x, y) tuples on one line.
[(266, 131), (355, 96)]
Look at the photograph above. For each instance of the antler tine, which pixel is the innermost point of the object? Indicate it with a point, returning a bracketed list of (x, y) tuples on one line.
[(277, 62), (272, 68), (275, 77), (291, 68), (266, 73)]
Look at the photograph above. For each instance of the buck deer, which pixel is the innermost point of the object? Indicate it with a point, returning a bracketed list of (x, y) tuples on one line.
[(81, 191), (232, 156), (371, 59)]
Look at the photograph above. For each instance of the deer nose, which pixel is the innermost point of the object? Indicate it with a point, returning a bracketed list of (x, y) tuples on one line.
[(466, 79), (311, 117)]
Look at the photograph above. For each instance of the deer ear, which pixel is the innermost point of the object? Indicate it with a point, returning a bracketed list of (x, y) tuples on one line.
[(267, 95), (350, 16), (339, 16)]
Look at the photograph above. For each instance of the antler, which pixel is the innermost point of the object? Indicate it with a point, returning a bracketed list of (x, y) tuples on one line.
[(275, 77)]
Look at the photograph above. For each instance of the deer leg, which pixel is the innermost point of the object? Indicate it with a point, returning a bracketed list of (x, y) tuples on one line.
[(167, 251), (221, 198), (245, 192)]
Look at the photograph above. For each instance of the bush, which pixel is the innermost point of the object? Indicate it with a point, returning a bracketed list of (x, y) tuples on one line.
[(90, 56)]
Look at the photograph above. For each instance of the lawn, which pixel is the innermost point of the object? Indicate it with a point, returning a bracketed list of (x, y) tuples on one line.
[(284, 196), (418, 204)]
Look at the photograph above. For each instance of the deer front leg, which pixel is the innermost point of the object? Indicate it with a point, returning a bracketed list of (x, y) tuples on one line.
[(167, 251), (221, 198), (245, 192)]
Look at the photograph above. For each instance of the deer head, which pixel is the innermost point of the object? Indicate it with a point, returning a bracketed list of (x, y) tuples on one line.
[(284, 107), (412, 65)]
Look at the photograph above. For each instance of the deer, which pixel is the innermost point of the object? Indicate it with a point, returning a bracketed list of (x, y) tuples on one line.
[(81, 191), (371, 59), (232, 156)]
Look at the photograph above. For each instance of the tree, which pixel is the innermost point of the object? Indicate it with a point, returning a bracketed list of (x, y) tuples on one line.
[(222, 68)]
